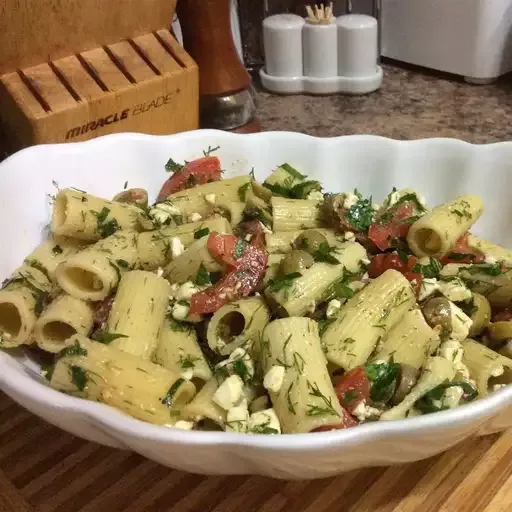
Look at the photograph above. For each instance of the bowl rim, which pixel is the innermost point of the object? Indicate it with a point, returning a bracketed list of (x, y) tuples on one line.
[(16, 382)]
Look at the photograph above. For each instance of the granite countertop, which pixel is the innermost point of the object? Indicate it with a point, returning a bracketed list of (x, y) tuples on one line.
[(411, 104)]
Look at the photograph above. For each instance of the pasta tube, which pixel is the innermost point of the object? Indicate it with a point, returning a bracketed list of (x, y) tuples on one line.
[(184, 267), (105, 374), (305, 399), (409, 341), (366, 318), (295, 214), (437, 370), (155, 246), (179, 351), (300, 294), (22, 299), (203, 407), (486, 367), (237, 323), (93, 273), (64, 317), (489, 249), (87, 217), (282, 241), (138, 312), (437, 232)]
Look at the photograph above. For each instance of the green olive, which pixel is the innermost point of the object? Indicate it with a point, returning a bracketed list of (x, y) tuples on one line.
[(500, 331), (310, 241), (406, 380), (296, 261), (137, 196), (437, 311), (481, 316)]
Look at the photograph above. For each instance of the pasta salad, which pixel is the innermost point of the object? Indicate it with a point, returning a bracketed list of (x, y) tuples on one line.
[(264, 308)]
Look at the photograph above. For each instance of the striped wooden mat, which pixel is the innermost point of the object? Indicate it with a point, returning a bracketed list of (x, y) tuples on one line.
[(45, 469)]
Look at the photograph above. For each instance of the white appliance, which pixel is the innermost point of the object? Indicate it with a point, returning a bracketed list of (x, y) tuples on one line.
[(472, 38)]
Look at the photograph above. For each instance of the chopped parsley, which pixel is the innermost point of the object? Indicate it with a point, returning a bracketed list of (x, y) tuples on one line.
[(240, 368), (78, 377), (383, 377), (103, 226), (298, 191), (459, 256), (172, 166), (413, 198), (202, 276), (242, 191), (201, 232), (264, 429), (285, 282), (430, 402), (47, 371), (57, 249), (324, 254), (73, 350), (38, 266), (123, 264), (349, 397), (107, 337), (429, 271), (168, 398), (177, 326), (360, 215), (239, 249), (323, 324), (491, 269), (188, 362)]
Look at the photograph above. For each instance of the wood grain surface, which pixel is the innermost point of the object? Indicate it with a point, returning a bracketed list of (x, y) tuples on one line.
[(45, 469)]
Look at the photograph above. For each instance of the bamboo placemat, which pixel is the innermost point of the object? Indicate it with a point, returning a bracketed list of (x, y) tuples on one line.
[(45, 469)]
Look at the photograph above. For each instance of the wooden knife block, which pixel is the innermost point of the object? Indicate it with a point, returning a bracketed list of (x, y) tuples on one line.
[(146, 83)]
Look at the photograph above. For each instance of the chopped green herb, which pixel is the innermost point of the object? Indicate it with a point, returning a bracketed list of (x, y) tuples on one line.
[(210, 150), (201, 232), (177, 326), (57, 249), (103, 226), (242, 191), (38, 266), (285, 282), (125, 185), (251, 173), (42, 300), (78, 377), (188, 362), (168, 398), (172, 166), (403, 255), (116, 268), (324, 254), (202, 276), (349, 397), (314, 410), (292, 171), (264, 429), (360, 215), (429, 271), (107, 337), (240, 368), (430, 402), (383, 377), (47, 371), (323, 324), (239, 248), (491, 269), (291, 405), (78, 190), (73, 350), (459, 256), (122, 263), (412, 198)]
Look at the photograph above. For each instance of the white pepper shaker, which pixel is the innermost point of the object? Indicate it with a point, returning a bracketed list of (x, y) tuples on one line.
[(320, 49), (357, 45), (282, 41)]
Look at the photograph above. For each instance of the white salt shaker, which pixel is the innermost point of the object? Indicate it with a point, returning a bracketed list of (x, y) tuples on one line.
[(282, 41), (320, 50)]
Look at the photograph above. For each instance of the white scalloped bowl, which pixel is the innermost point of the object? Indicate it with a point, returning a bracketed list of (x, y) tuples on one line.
[(440, 168)]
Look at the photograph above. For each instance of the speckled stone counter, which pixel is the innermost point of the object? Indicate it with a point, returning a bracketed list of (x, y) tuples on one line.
[(409, 105)]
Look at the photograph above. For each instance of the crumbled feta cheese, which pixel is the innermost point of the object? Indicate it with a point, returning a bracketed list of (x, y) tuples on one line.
[(162, 212), (315, 195), (210, 198), (229, 393), (248, 237), (265, 229), (375, 207), (186, 291), (428, 286), (180, 311), (237, 419), (455, 290), (365, 261), (246, 371), (349, 236), (461, 323), (333, 308), (177, 247), (160, 272), (350, 200), (421, 199), (187, 374), (195, 217), (490, 259), (392, 199), (264, 422), (452, 397), (499, 370), (355, 286), (453, 351), (184, 425), (274, 378), (362, 412)]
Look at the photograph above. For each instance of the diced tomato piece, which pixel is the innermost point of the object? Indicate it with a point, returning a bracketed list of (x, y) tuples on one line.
[(198, 172), (246, 264), (347, 422), (462, 253), (382, 262), (353, 388), (503, 316), (254, 228), (393, 223)]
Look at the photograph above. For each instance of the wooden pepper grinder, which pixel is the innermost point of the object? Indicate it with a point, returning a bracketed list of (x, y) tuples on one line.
[(227, 100)]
